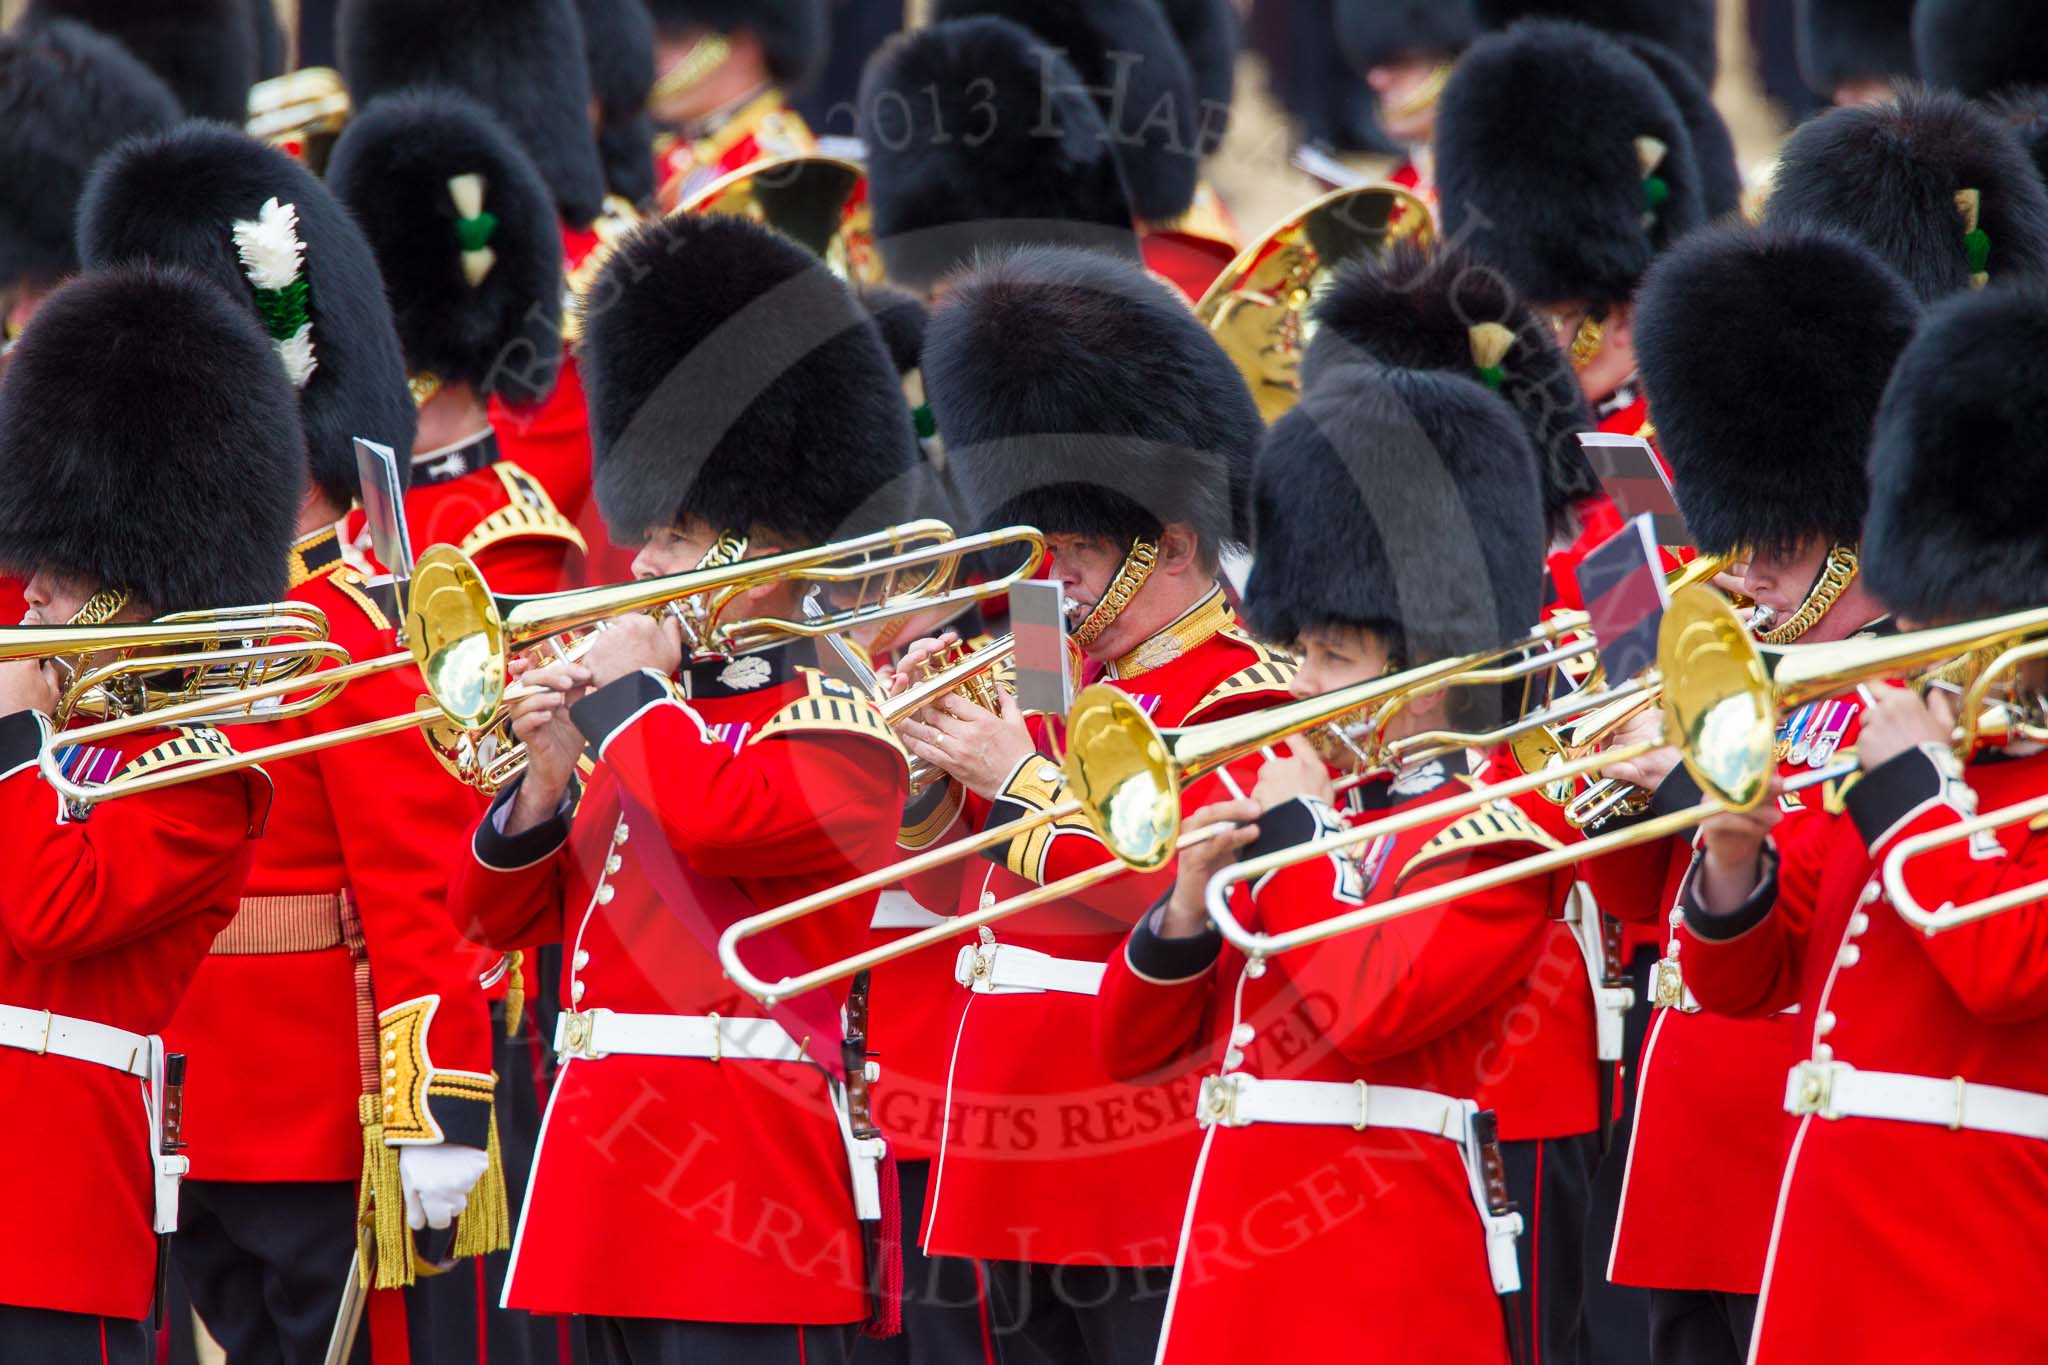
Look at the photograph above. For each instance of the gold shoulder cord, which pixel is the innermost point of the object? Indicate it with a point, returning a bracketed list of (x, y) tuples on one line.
[(1835, 577)]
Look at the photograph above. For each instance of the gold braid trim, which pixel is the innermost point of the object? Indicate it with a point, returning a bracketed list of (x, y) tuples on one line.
[(829, 706), (1835, 577), (1038, 785), (1500, 822), (1137, 567), (192, 745), (528, 511), (1272, 673)]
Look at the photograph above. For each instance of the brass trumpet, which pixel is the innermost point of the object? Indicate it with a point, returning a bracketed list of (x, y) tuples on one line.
[(1126, 777)]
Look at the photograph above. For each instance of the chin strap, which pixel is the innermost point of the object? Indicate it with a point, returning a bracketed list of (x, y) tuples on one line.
[(1138, 564), (1835, 577)]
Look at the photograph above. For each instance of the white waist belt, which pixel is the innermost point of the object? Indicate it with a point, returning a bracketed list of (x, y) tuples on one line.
[(1006, 969), (590, 1034), (140, 1055), (1236, 1100), (59, 1035), (1836, 1090)]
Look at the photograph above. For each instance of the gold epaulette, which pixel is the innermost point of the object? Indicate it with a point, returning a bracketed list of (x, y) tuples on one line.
[(191, 745), (1494, 824), (351, 584), (829, 706), (1272, 672), (528, 511)]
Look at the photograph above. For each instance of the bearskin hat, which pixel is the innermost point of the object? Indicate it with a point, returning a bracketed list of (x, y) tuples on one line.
[(1575, 203), (793, 33), (1080, 395), (204, 50), (1764, 352), (1686, 27), (900, 317), (1414, 310), (1399, 501), (1958, 472), (1713, 147), (177, 197), (1980, 47), (1046, 172), (1207, 31), (732, 379), (149, 442), (618, 43), (1890, 176), (66, 95), (1853, 40), (1378, 32), (2025, 111), (401, 167), (521, 59), (1130, 61)]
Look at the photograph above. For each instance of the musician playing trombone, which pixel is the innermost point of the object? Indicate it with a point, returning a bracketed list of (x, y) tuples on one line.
[(105, 918), (1818, 322), (1347, 1198), (702, 1180), (1909, 1217), (1077, 394)]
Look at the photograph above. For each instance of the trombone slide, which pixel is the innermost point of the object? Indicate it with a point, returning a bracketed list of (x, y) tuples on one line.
[(1945, 917)]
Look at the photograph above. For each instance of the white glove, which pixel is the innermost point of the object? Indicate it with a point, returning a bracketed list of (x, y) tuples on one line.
[(437, 1181)]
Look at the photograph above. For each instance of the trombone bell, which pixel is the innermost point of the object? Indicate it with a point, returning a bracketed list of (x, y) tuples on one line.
[(457, 635), (1717, 706), (1124, 775)]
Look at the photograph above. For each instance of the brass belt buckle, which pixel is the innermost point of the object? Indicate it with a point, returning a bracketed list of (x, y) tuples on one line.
[(1219, 1100), (1813, 1089), (43, 1045), (1667, 988)]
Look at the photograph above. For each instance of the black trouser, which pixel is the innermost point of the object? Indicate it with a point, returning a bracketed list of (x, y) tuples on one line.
[(1551, 1182), (1076, 1314), (942, 1313), (1618, 1315), (457, 1314), (265, 1263), (1700, 1327), (654, 1341), (38, 1336)]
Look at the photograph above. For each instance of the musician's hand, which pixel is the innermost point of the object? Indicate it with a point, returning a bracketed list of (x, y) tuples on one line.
[(1731, 854), (1296, 773), (1895, 720), (28, 685), (436, 1180), (977, 747), (632, 643), (541, 722), (1187, 911), (1648, 772), (905, 674)]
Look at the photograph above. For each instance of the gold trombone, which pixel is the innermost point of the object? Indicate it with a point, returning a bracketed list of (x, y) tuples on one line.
[(184, 656), (1126, 777), (1721, 701), (461, 637)]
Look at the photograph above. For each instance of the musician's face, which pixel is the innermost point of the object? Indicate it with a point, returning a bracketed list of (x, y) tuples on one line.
[(1337, 656), (679, 549), (1780, 580), (54, 598), (1396, 86)]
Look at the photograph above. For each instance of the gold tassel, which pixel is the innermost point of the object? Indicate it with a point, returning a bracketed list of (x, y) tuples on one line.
[(486, 1225), (515, 992), (381, 1234)]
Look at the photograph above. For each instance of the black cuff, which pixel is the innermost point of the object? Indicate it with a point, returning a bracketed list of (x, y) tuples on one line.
[(464, 1122), (1002, 812), (1294, 821), (617, 704), (1887, 796), (21, 741), (921, 807), (1170, 959), (1721, 928), (1678, 791), (510, 852)]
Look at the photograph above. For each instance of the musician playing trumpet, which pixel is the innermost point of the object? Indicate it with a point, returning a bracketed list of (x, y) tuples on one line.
[(1346, 1171), (1913, 1196)]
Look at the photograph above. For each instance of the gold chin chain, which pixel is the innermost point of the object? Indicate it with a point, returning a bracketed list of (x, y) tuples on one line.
[(695, 611), (1835, 577), (1137, 567), (424, 386), (1587, 341), (705, 56), (100, 608), (1426, 94)]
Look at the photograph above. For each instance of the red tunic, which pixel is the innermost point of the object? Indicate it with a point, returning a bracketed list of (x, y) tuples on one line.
[(913, 1012), (13, 606), (1046, 1157), (1710, 1089), (727, 1182), (104, 919), (1300, 1237), (1897, 1240), (272, 1036)]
